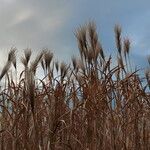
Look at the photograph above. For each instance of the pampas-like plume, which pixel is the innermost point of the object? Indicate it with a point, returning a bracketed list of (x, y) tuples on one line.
[(81, 36), (48, 56), (27, 53), (99, 49), (63, 70), (34, 64), (25, 60), (11, 59), (11, 55), (117, 31), (92, 34), (126, 46)]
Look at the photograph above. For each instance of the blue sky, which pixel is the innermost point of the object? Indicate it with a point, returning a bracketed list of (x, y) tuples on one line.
[(51, 24)]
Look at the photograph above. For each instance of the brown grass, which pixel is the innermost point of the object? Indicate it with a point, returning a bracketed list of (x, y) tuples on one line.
[(87, 105)]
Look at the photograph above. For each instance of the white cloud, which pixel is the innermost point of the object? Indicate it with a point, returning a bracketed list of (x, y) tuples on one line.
[(20, 17), (7, 1), (50, 23)]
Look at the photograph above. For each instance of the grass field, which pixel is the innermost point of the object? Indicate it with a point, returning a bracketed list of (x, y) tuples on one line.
[(89, 104)]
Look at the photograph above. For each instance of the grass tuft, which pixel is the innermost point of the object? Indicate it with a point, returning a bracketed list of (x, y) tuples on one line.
[(90, 104)]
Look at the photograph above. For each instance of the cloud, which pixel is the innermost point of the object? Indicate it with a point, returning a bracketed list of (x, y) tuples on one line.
[(32, 24), (7, 1), (51, 24), (20, 17)]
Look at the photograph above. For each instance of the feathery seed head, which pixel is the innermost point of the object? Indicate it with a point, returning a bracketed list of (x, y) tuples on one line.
[(11, 55), (81, 35), (117, 31), (99, 49), (24, 61), (27, 53), (126, 46), (63, 69), (48, 56), (35, 62), (5, 69), (92, 34)]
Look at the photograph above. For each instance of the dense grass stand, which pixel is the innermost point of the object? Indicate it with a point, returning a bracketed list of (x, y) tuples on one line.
[(90, 104)]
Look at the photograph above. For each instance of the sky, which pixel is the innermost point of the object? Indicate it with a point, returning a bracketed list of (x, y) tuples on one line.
[(39, 24)]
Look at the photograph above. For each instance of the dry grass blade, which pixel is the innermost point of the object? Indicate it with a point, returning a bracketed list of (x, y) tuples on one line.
[(31, 88)]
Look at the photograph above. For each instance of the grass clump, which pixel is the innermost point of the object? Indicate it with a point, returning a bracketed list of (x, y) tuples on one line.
[(88, 104)]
